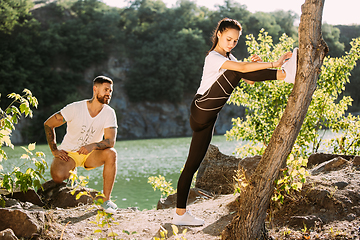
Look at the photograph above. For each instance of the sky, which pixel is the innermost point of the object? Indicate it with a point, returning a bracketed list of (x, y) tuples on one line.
[(345, 12)]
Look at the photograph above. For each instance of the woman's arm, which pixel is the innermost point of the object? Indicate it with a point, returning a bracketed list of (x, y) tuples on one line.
[(254, 66)]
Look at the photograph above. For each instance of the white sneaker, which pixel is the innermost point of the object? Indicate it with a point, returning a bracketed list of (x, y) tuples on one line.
[(290, 67), (187, 219), (109, 207)]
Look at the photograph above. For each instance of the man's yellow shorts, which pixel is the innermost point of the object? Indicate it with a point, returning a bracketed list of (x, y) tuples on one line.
[(79, 159)]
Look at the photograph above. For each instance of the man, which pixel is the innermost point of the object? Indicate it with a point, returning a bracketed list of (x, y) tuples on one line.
[(89, 139)]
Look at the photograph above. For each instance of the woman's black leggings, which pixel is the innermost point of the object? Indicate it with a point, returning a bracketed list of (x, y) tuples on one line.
[(203, 114)]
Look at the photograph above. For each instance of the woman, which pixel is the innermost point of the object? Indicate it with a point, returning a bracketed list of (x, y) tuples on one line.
[(221, 73)]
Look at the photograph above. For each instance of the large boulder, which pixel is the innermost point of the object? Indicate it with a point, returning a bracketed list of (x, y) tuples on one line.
[(28, 196), (25, 219), (331, 165), (217, 171), (59, 195), (318, 158)]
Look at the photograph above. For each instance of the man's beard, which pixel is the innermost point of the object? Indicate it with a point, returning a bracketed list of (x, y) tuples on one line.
[(102, 99)]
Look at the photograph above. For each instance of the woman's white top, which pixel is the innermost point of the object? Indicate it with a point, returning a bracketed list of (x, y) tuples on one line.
[(212, 70)]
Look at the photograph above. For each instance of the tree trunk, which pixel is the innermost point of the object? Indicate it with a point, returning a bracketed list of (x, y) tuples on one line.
[(254, 201)]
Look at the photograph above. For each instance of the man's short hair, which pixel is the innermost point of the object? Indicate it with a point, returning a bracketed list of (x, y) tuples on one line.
[(102, 79)]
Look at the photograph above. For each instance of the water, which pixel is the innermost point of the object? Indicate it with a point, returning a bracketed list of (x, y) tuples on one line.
[(137, 160)]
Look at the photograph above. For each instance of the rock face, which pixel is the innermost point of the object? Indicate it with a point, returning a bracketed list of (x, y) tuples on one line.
[(143, 119), (161, 119)]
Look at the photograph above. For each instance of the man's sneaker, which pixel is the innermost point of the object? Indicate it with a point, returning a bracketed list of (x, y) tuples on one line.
[(290, 67), (71, 184), (187, 219), (109, 207)]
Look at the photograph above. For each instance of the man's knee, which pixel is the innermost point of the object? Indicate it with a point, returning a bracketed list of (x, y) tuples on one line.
[(57, 176), (110, 154), (59, 172)]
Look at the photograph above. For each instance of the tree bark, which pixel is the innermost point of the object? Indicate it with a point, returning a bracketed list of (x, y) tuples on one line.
[(254, 201)]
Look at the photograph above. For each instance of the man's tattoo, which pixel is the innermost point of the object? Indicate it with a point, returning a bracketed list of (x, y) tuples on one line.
[(50, 137), (103, 144), (59, 116)]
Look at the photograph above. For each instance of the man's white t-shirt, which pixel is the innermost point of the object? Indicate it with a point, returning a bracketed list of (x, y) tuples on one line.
[(212, 70), (82, 129)]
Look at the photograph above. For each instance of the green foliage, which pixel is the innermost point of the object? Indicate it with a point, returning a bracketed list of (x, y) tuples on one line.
[(348, 140), (12, 13), (161, 50), (266, 101), (35, 166), (240, 181), (103, 220), (20, 104), (30, 173), (160, 183), (294, 176), (331, 36), (175, 230)]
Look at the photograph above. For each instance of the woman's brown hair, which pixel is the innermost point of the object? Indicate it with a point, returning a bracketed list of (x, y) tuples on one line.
[(224, 24)]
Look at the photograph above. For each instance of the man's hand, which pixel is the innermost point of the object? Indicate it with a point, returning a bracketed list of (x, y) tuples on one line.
[(86, 149), (61, 154)]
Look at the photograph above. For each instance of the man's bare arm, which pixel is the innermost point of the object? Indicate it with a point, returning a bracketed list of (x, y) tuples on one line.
[(109, 139), (50, 124)]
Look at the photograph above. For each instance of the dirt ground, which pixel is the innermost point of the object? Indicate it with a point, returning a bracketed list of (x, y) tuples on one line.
[(337, 210)]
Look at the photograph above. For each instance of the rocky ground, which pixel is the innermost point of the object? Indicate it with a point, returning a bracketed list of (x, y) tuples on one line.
[(326, 208)]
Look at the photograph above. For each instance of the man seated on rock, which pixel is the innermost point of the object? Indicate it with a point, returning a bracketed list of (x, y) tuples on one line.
[(89, 140)]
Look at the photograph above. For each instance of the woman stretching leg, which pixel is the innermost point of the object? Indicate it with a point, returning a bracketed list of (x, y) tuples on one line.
[(222, 72)]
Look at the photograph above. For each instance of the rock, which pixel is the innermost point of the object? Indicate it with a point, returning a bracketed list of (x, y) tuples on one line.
[(58, 195), (12, 203), (7, 234), (302, 221), (351, 217), (29, 196), (318, 158), (216, 172), (318, 196), (195, 194), (356, 161), (249, 164), (331, 165), (340, 185), (25, 224)]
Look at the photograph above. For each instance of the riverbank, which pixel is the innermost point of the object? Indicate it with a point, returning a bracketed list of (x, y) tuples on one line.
[(327, 207)]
